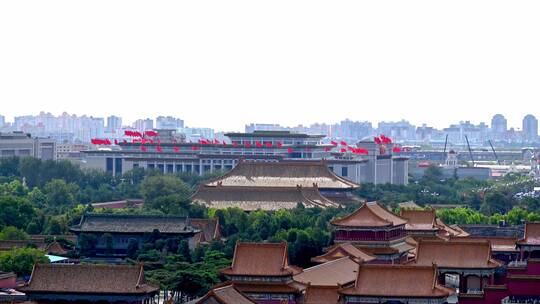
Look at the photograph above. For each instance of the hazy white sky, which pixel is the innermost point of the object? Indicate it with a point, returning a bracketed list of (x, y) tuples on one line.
[(226, 63)]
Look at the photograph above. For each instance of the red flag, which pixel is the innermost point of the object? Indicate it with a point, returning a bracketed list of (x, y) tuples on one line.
[(247, 144), (290, 150), (216, 141), (327, 149), (159, 149), (194, 148), (343, 150), (107, 142), (128, 133), (351, 149), (151, 133), (137, 133), (143, 148), (258, 144), (334, 143), (396, 149), (116, 142), (279, 144), (235, 144), (269, 144), (377, 140), (385, 140), (176, 149), (125, 141), (343, 143), (363, 151)]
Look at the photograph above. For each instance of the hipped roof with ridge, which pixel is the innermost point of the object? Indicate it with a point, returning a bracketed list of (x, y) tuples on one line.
[(260, 259), (263, 198), (455, 254), (283, 174), (88, 279), (397, 281), (371, 214)]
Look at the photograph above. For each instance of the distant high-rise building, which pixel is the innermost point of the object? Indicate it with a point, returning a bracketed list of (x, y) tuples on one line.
[(143, 124), (499, 124), (354, 130), (252, 127), (530, 128), (114, 123), (2, 121), (400, 130), (169, 123)]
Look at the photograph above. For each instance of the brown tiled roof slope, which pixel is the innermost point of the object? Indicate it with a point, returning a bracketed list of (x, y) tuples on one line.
[(263, 198), (102, 279), (455, 254), (397, 281), (338, 272), (321, 295), (260, 259), (227, 294), (498, 243), (532, 234), (283, 174), (371, 214), (341, 250), (120, 223), (419, 219), (209, 229)]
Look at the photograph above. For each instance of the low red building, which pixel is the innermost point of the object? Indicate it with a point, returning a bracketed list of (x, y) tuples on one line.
[(467, 264), (63, 283), (396, 284)]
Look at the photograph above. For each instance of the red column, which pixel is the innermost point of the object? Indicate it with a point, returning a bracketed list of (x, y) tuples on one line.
[(462, 284)]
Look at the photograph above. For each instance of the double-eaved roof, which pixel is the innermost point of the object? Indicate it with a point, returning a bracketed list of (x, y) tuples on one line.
[(371, 214), (397, 281), (260, 259), (263, 198), (88, 279), (283, 174), (123, 223), (455, 254)]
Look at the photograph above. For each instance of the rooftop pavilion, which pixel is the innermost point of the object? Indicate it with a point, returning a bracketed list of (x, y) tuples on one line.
[(376, 231)]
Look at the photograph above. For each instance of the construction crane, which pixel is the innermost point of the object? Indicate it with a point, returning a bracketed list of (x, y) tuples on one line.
[(470, 151), (494, 153)]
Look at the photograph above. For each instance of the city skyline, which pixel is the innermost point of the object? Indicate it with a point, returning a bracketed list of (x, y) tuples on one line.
[(285, 62), (126, 123)]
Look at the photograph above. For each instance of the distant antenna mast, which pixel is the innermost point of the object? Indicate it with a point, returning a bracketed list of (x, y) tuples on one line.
[(470, 151)]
